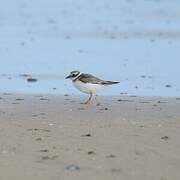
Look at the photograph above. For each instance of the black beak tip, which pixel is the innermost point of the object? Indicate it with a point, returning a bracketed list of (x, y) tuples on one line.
[(67, 77)]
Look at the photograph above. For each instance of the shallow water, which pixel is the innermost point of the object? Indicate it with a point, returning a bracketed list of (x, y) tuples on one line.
[(136, 43)]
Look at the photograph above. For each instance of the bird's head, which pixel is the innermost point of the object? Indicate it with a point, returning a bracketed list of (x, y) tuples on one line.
[(73, 75)]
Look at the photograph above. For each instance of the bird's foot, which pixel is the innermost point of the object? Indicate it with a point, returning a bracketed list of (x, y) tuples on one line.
[(86, 102)]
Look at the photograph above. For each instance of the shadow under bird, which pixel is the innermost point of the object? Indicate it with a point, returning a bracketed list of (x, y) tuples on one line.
[(88, 83)]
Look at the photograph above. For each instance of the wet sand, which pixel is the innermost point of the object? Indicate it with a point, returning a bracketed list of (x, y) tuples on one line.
[(56, 137)]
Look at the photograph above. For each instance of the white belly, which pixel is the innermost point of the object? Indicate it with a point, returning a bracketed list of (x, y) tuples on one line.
[(87, 87)]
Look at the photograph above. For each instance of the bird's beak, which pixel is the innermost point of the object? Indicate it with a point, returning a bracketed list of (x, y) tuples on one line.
[(69, 76)]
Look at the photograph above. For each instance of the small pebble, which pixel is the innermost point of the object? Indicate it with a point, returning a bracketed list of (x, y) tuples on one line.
[(44, 150), (81, 108), (72, 167), (34, 115), (24, 75), (15, 103), (32, 80), (91, 152), (143, 76), (165, 137), (168, 86), (161, 102), (44, 99), (104, 109), (86, 135), (123, 93), (19, 99)]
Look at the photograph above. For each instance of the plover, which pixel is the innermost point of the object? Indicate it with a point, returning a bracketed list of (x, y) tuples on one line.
[(88, 83)]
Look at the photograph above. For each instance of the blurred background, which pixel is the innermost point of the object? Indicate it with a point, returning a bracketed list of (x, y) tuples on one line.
[(136, 42)]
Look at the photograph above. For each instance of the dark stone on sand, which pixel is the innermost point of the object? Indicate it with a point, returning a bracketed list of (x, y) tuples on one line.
[(161, 102), (38, 139), (45, 130), (103, 109), (91, 152), (19, 99), (15, 103), (123, 93), (44, 99), (32, 80), (34, 115), (80, 108), (168, 86), (36, 129), (125, 100), (49, 158), (141, 126), (165, 137), (72, 167), (44, 150), (86, 135)]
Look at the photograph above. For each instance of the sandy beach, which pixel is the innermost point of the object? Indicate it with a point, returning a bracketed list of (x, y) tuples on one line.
[(46, 135), (56, 137)]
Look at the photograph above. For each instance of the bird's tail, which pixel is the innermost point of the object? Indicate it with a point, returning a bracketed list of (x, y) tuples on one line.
[(110, 82)]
